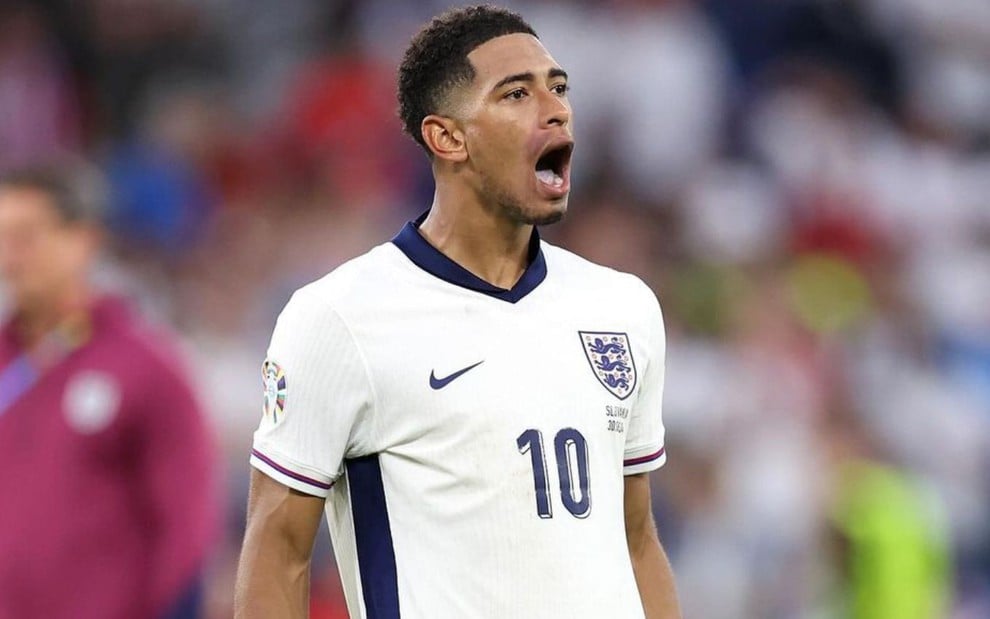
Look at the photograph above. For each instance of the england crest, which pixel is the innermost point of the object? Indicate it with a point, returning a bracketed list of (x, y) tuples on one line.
[(611, 360)]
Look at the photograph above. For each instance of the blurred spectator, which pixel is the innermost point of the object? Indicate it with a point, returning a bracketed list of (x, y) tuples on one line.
[(39, 111), (137, 41), (889, 540), (105, 456)]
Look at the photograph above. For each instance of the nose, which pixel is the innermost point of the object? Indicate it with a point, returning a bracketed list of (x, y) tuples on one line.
[(556, 110)]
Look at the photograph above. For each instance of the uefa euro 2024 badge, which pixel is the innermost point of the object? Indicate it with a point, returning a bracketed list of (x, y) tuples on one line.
[(274, 379), (610, 357)]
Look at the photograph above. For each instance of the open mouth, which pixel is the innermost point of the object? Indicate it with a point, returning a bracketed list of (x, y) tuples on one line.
[(551, 167)]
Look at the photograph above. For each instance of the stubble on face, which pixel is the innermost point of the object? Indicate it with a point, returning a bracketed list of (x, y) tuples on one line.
[(513, 208)]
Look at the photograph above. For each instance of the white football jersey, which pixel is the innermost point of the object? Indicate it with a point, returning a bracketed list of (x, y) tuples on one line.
[(471, 440)]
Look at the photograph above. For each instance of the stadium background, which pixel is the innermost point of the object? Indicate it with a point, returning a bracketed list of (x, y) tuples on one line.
[(805, 183)]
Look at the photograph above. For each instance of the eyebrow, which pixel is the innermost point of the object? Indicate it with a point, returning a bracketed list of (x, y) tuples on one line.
[(529, 77)]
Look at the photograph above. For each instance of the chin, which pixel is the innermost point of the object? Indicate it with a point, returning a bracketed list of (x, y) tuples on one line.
[(533, 210), (542, 214), (546, 214), (548, 217)]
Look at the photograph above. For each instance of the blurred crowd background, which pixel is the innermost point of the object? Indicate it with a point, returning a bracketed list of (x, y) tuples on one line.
[(804, 183)]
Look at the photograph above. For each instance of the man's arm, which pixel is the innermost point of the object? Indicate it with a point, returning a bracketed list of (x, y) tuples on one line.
[(654, 577), (273, 575), (181, 509)]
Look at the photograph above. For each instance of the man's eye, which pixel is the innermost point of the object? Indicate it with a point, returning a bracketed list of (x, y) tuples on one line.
[(561, 89), (516, 94)]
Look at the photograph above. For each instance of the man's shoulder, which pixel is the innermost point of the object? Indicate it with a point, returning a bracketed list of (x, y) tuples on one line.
[(576, 271), (135, 345), (357, 283)]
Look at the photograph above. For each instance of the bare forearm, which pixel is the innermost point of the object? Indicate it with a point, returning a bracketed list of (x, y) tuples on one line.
[(269, 585), (273, 575), (655, 580)]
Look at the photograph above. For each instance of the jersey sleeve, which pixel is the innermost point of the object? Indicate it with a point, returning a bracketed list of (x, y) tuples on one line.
[(644, 450), (317, 400)]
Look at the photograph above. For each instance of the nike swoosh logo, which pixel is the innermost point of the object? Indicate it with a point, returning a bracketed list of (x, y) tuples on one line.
[(440, 383)]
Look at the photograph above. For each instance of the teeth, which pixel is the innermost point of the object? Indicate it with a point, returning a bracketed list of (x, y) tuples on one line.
[(549, 177)]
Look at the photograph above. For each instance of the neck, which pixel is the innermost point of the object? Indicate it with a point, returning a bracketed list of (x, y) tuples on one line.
[(38, 317), (477, 237)]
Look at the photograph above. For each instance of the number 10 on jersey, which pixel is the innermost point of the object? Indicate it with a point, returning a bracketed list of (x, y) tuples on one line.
[(571, 455)]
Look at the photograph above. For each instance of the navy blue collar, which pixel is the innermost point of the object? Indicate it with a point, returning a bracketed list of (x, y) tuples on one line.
[(431, 260)]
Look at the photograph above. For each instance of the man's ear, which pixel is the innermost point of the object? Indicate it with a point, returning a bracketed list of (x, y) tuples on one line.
[(444, 139)]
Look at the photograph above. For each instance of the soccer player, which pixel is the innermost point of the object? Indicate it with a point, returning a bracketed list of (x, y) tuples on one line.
[(475, 410), (106, 493)]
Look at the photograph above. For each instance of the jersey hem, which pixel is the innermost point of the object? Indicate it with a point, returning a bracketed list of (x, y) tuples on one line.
[(287, 476)]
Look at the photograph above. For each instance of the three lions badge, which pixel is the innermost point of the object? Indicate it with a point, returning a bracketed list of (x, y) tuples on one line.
[(611, 360)]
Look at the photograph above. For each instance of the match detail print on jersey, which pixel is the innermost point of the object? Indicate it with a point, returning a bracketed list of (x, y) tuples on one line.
[(440, 383), (610, 357)]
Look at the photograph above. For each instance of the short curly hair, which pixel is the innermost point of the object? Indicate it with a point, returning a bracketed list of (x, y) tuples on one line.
[(437, 59)]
